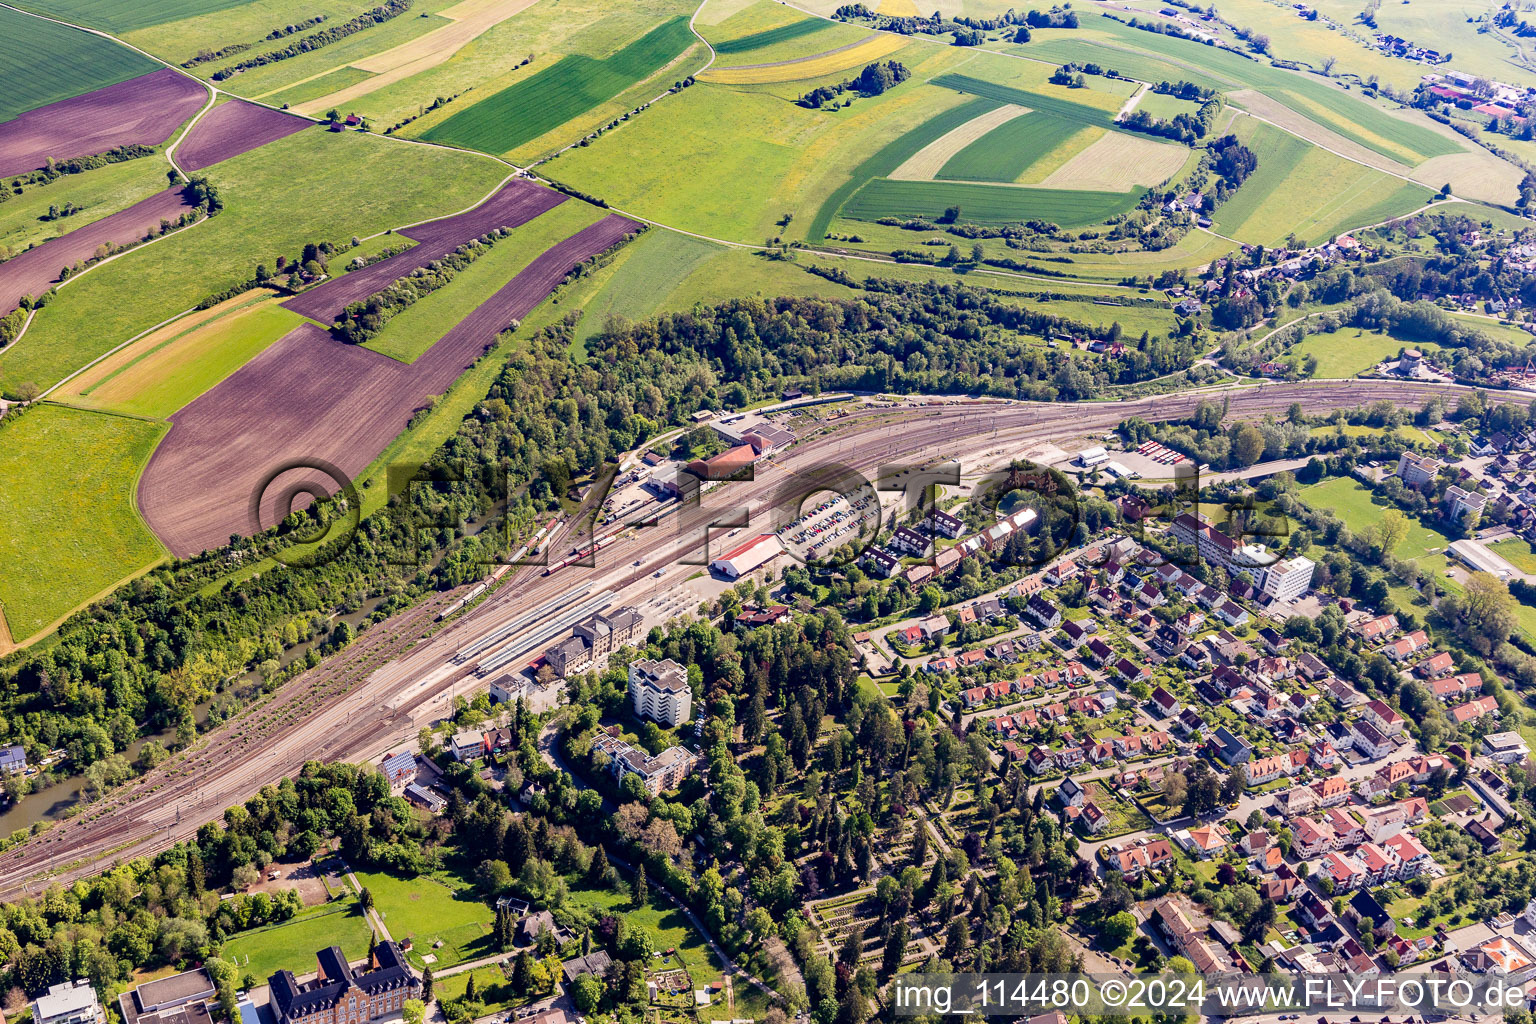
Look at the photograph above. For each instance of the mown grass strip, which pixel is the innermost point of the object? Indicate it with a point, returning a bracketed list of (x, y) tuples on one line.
[(1039, 102), (1007, 151), (772, 36), (986, 204)]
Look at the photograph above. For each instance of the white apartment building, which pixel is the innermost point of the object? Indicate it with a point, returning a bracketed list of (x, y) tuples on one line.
[(659, 691), (1287, 580), (68, 1003), (1464, 505)]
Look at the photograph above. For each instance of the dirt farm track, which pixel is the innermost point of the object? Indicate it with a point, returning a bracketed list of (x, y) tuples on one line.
[(378, 691)]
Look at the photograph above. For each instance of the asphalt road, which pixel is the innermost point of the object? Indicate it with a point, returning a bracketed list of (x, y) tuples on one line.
[(399, 675)]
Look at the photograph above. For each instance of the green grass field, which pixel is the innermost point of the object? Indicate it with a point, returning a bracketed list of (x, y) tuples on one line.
[(1351, 350), (118, 17), (652, 267), (892, 156), (1119, 46), (45, 62), (417, 329), (1300, 188), (292, 944), (542, 103), (1517, 552), (331, 81), (353, 184), (1353, 503), (986, 204), (795, 30), (96, 194), (69, 528), (1167, 107), (1036, 101), (1006, 152), (164, 380), (429, 911)]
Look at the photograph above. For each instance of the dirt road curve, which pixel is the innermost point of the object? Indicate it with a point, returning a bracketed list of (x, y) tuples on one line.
[(396, 677)]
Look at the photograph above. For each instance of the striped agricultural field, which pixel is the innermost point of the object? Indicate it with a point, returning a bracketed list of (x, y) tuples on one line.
[(985, 204), (469, 19), (832, 62), (1117, 161), (925, 164), (1007, 152)]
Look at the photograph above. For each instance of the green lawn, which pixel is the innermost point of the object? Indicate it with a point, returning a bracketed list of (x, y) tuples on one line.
[(69, 525), (1350, 351), (428, 911), (1517, 552), (45, 62), (986, 204), (414, 331), (293, 944), (1166, 107), (96, 194), (351, 184), (1352, 502), (1007, 151), (521, 113)]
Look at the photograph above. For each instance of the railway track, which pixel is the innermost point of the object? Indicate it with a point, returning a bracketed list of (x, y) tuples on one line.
[(405, 664)]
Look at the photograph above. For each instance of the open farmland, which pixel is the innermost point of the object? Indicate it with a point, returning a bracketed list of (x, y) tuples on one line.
[(928, 161), (70, 532), (94, 195), (1006, 152), (845, 58), (1116, 161), (650, 269), (166, 369), (1040, 102), (353, 184), (311, 397), (728, 162), (416, 329), (1309, 191), (468, 19), (985, 204), (1403, 139), (143, 111), (514, 203), (767, 38), (118, 17), (523, 112), (45, 62), (233, 128), (35, 271)]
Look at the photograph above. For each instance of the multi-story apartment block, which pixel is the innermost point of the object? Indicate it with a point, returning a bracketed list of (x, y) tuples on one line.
[(659, 691)]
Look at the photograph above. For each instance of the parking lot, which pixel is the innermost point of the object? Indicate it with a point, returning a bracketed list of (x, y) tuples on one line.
[(832, 522)]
